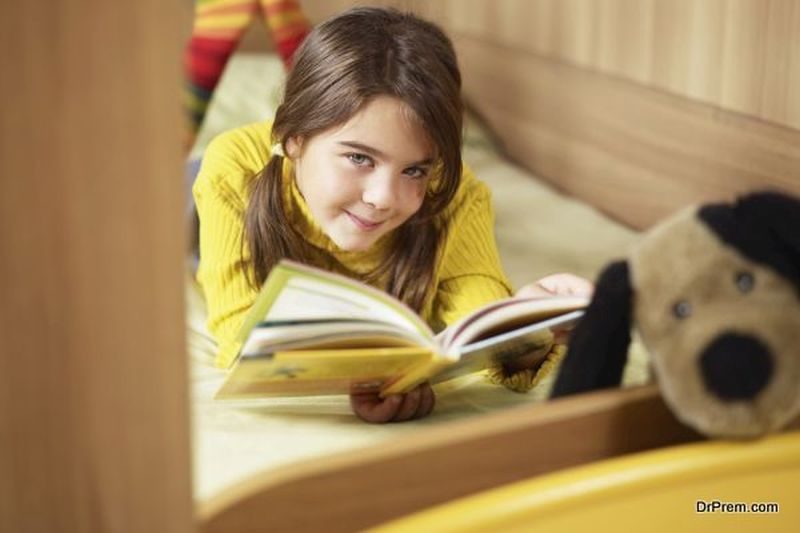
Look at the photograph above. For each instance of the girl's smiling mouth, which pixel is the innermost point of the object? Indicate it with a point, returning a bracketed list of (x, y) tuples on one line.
[(363, 223)]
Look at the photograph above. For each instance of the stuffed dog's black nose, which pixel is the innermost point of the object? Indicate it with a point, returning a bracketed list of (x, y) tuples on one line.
[(736, 367)]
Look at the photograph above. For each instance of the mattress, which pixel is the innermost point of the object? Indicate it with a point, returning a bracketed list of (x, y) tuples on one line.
[(539, 231)]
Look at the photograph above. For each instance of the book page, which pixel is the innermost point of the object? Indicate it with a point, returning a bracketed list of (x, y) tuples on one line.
[(299, 292), (508, 343), (268, 338), (507, 315), (309, 298), (507, 346)]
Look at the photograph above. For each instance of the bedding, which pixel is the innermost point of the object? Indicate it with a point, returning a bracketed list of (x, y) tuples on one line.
[(539, 231)]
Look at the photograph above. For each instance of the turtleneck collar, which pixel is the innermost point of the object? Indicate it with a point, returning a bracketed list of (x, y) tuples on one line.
[(298, 212)]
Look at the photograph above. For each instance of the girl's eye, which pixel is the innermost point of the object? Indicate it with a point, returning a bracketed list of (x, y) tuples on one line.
[(416, 172), (358, 159)]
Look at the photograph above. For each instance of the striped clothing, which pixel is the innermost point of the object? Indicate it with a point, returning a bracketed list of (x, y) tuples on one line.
[(218, 27)]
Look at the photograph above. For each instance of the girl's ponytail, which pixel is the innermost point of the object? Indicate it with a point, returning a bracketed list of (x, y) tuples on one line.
[(268, 235)]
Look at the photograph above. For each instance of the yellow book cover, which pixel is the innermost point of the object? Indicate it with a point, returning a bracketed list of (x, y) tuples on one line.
[(311, 332)]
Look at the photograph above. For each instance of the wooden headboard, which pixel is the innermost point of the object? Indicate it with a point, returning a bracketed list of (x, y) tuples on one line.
[(638, 107)]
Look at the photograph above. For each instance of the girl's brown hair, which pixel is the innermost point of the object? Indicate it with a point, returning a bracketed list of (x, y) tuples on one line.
[(343, 63)]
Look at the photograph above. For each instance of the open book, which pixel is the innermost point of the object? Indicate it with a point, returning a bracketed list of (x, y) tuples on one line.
[(311, 332)]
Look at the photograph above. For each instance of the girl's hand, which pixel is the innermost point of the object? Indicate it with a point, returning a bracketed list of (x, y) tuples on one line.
[(558, 285), (530, 361), (370, 407)]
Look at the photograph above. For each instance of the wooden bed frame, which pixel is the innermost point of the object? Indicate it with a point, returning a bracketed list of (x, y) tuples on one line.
[(636, 107), (363, 488)]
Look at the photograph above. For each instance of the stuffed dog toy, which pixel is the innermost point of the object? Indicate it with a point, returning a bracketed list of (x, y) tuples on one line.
[(714, 293)]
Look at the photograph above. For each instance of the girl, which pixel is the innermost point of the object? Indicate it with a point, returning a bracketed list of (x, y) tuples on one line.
[(360, 173)]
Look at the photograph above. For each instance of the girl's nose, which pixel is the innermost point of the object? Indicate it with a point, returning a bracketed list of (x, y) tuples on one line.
[(379, 191)]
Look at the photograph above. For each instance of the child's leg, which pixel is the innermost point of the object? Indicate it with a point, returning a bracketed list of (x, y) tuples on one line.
[(287, 24), (218, 26)]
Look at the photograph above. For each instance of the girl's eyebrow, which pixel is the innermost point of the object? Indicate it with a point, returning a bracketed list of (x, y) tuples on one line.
[(378, 154)]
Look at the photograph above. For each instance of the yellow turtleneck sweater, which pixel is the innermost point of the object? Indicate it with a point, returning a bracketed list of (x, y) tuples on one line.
[(468, 275)]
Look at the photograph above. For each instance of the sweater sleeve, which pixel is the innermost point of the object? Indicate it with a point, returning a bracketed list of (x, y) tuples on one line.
[(220, 194)]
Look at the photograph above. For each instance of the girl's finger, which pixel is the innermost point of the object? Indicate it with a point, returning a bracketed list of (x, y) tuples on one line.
[(409, 405), (371, 408), (533, 290), (426, 402)]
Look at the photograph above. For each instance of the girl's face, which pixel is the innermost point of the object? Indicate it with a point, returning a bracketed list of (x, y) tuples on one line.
[(366, 177)]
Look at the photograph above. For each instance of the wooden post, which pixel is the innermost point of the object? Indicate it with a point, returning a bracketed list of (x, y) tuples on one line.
[(94, 420)]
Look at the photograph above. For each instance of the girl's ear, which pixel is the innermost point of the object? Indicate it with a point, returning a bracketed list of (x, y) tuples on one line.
[(598, 346), (294, 146)]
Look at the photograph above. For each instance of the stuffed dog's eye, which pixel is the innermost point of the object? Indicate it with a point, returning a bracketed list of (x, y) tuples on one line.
[(745, 282), (682, 309)]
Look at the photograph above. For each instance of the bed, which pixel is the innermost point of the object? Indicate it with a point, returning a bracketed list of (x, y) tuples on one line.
[(582, 151)]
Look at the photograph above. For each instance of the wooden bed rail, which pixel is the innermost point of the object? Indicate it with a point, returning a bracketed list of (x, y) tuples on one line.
[(361, 488)]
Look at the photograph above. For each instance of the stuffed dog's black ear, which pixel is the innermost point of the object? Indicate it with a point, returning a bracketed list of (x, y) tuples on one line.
[(764, 226), (598, 346)]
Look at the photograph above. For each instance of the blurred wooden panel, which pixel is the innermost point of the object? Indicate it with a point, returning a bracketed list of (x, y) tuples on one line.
[(94, 423), (636, 153), (637, 106), (742, 55), (319, 10)]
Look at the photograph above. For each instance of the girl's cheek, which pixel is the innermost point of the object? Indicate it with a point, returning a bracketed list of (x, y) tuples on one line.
[(342, 183)]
